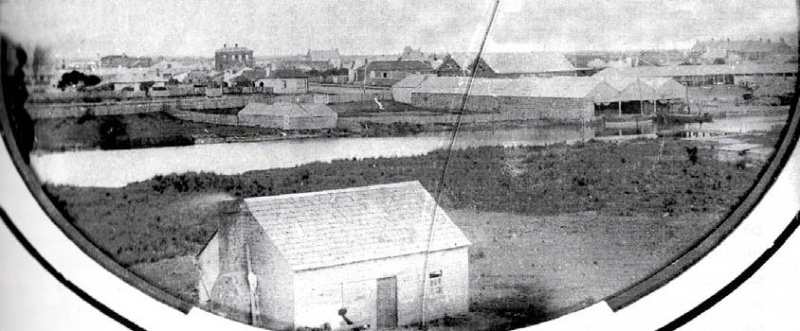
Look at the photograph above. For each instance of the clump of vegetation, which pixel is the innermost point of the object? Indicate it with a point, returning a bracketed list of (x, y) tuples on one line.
[(172, 215)]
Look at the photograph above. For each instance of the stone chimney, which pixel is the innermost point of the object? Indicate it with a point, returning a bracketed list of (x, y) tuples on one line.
[(224, 45), (235, 45)]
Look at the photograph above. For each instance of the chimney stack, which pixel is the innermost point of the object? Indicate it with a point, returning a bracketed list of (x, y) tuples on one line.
[(235, 45), (224, 45)]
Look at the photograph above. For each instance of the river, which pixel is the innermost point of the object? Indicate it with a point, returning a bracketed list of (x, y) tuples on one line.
[(117, 168)]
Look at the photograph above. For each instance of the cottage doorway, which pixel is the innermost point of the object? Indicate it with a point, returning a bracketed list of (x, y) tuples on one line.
[(387, 302)]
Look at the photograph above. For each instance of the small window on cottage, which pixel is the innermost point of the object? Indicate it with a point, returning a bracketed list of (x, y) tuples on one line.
[(385, 75), (435, 282)]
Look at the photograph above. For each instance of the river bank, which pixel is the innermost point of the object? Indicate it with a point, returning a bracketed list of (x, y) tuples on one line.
[(639, 201)]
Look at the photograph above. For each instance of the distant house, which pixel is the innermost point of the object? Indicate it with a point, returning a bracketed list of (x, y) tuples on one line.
[(233, 57), (445, 66), (285, 81), (125, 61), (133, 80), (387, 73), (197, 77), (747, 50), (331, 56), (288, 116), (381, 252), (411, 54)]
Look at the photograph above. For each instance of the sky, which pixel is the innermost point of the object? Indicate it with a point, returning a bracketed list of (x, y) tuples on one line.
[(88, 28)]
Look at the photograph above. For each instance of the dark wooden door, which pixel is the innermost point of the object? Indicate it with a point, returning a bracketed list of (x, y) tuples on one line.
[(387, 302)]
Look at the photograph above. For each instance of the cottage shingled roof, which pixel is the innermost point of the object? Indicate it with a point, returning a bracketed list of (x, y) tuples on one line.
[(322, 229)]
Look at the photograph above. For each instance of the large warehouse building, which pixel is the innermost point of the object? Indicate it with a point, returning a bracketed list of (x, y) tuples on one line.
[(570, 99), (641, 96), (557, 98)]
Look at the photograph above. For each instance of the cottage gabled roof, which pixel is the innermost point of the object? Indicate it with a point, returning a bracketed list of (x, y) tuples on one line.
[(322, 229)]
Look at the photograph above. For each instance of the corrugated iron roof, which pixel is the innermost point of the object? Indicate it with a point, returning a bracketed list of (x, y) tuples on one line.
[(554, 87), (322, 229)]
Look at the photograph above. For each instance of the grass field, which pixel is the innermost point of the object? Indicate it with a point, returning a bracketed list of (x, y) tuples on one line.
[(553, 227)]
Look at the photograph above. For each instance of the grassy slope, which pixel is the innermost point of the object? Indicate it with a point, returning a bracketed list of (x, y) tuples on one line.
[(143, 129), (173, 216)]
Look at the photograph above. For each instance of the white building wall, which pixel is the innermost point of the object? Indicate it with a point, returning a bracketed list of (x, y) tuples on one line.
[(285, 85), (274, 289), (320, 293), (208, 264), (402, 94)]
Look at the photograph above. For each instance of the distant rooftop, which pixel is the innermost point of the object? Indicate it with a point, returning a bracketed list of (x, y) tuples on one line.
[(398, 65), (700, 70), (234, 49)]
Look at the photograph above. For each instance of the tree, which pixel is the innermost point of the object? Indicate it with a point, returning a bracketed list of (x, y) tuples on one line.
[(77, 78), (145, 86), (41, 59)]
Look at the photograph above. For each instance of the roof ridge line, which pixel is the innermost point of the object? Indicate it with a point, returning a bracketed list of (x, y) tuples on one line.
[(349, 189)]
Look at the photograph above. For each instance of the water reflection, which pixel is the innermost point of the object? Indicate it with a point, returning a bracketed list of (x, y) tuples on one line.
[(120, 167)]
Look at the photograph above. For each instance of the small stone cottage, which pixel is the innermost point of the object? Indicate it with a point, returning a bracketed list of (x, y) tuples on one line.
[(388, 254), (288, 116)]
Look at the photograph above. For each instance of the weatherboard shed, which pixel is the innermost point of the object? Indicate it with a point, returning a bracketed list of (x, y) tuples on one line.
[(387, 253)]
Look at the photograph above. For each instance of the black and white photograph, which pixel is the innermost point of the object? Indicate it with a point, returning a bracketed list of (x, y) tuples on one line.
[(398, 165)]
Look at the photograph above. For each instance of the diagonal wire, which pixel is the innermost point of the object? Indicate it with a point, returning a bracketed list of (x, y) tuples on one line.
[(439, 186)]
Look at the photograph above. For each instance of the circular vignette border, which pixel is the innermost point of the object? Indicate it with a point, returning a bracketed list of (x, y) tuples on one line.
[(682, 261)]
